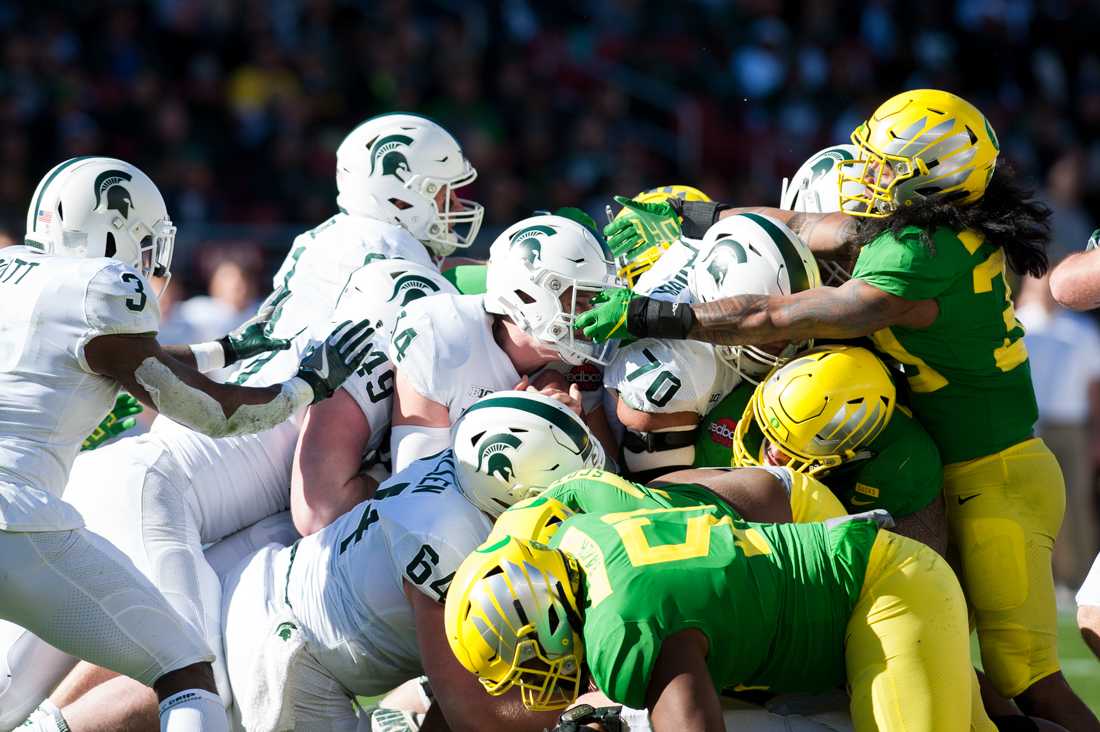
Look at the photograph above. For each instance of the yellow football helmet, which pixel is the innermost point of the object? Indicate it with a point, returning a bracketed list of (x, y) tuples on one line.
[(533, 519), (659, 233), (919, 144), (512, 619), (820, 409)]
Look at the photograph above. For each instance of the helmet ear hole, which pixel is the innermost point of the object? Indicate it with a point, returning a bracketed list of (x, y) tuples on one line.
[(60, 212), (524, 297), (111, 248)]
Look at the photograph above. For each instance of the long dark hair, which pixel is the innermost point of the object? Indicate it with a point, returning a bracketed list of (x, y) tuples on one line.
[(1008, 215)]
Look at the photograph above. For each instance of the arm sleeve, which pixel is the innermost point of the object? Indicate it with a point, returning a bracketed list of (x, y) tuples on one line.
[(430, 549), (910, 266), (412, 349), (117, 301)]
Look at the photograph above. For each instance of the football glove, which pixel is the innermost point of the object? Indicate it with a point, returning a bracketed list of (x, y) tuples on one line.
[(625, 237), (575, 719), (325, 365), (253, 337), (117, 421)]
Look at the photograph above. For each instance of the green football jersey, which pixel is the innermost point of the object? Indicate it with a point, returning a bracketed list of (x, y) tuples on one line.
[(902, 474), (968, 372), (772, 599)]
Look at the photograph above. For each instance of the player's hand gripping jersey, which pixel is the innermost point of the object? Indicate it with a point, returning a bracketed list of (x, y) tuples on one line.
[(49, 397)]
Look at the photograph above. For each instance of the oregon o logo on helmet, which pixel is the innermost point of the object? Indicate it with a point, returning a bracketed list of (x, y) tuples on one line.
[(411, 287), (118, 198), (526, 242), (388, 150), (492, 454), (721, 431)]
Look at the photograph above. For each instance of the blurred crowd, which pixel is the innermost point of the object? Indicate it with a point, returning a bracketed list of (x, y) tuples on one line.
[(235, 107)]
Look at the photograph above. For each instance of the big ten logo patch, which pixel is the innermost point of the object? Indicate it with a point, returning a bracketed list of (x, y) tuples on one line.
[(721, 431), (586, 376)]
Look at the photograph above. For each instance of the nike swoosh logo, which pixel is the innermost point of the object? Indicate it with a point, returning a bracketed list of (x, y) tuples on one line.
[(857, 502), (323, 371), (963, 500)]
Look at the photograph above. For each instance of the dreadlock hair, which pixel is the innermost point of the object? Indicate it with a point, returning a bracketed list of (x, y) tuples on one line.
[(1008, 214)]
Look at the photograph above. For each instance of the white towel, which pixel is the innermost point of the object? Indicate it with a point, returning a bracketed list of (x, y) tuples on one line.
[(267, 704)]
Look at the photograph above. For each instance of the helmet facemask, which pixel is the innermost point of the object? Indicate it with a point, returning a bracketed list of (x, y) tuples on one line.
[(448, 230)]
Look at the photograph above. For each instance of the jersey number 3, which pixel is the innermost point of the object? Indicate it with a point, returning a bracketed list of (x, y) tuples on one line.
[(139, 290)]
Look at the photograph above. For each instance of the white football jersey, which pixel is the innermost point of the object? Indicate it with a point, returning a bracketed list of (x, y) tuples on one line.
[(345, 583), (239, 480), (660, 376), (667, 279), (444, 346), (312, 278), (379, 290), (50, 399)]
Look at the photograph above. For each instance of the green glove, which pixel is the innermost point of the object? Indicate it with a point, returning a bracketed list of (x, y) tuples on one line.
[(606, 319), (117, 421), (1094, 241), (647, 225), (253, 337)]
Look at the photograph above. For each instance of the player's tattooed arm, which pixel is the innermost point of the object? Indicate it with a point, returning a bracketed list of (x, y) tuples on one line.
[(852, 310), (681, 694), (828, 235)]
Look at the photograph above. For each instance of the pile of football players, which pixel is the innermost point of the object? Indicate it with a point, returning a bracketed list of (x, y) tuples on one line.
[(701, 468)]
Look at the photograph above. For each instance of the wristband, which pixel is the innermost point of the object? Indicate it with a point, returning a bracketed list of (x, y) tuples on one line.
[(299, 392), (648, 318), (698, 216), (229, 352), (209, 356)]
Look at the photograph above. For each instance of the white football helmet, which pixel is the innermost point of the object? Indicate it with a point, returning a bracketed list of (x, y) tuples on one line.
[(511, 445), (532, 265), (379, 290), (750, 254), (393, 168), (102, 207), (815, 189)]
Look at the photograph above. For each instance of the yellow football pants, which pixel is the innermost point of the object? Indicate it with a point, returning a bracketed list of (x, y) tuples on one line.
[(1003, 513), (907, 647)]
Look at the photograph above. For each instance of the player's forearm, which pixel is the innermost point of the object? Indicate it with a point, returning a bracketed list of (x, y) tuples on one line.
[(828, 235), (1075, 282), (217, 410), (758, 319)]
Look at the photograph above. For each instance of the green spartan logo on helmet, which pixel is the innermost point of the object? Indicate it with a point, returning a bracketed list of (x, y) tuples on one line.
[(828, 160), (726, 252), (109, 184), (411, 287), (492, 455), (526, 242), (387, 152)]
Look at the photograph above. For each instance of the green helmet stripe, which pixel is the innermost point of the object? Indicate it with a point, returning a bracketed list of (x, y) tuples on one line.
[(49, 179), (800, 278), (575, 432)]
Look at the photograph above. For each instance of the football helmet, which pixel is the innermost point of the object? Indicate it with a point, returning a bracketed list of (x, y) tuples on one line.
[(102, 207), (813, 189), (532, 519), (379, 290), (510, 445), (821, 409), (751, 254), (536, 262), (920, 144), (658, 232), (402, 168), (512, 618)]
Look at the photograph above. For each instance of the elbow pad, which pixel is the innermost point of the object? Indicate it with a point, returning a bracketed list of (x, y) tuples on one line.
[(410, 442)]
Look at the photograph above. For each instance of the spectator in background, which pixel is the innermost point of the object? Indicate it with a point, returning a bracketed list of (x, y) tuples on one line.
[(1064, 348), (233, 293), (6, 239)]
